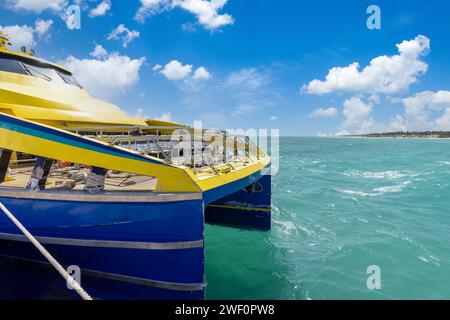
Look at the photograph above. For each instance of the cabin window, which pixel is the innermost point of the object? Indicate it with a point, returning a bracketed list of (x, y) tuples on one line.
[(11, 65)]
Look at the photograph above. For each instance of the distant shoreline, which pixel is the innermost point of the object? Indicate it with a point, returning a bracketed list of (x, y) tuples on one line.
[(405, 135)]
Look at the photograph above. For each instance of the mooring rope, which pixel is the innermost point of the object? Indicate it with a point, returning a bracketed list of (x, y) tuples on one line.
[(74, 284)]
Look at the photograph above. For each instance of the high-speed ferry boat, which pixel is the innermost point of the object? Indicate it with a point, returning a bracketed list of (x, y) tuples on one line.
[(123, 199)]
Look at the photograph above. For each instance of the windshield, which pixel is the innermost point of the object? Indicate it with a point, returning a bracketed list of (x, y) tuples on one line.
[(45, 72), (51, 74), (11, 65)]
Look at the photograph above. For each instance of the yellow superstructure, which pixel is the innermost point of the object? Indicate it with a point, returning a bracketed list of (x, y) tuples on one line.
[(53, 101), (45, 93)]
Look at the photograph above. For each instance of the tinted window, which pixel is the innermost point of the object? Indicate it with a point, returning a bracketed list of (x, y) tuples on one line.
[(10, 65), (45, 72), (51, 74)]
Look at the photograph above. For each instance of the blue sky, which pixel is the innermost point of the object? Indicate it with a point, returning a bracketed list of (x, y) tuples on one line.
[(250, 64)]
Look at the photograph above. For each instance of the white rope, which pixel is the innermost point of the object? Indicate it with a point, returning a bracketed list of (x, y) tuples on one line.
[(83, 294)]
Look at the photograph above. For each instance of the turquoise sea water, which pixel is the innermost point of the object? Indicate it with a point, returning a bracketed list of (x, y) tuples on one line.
[(340, 205)]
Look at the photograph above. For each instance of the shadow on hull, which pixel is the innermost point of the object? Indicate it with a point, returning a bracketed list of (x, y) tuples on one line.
[(27, 280), (249, 208)]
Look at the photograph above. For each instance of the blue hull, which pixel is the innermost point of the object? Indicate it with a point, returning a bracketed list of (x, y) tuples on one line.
[(101, 285), (247, 208), (127, 246), (24, 280), (156, 247)]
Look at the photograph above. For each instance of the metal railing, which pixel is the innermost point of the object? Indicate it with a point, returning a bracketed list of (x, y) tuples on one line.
[(221, 148)]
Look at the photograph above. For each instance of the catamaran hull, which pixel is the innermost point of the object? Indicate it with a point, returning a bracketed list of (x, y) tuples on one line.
[(249, 207), (135, 250), (132, 245)]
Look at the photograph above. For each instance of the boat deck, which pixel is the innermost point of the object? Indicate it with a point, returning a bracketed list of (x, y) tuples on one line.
[(75, 179)]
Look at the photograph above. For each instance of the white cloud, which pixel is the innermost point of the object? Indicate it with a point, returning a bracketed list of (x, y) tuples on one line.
[(244, 109), (443, 123), (357, 114), (107, 78), (416, 111), (140, 113), (175, 70), (189, 27), (374, 98), (425, 110), (25, 35), (342, 133), (99, 52), (396, 124), (249, 78), (273, 118), (102, 8), (42, 27), (166, 116), (151, 7), (37, 6), (394, 100), (206, 11), (157, 67), (202, 74), (419, 107), (122, 33), (324, 113), (20, 36), (384, 74)]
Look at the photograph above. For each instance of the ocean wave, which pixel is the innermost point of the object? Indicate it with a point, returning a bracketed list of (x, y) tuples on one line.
[(309, 161), (377, 191), (423, 259), (357, 193), (396, 188), (389, 174), (286, 227)]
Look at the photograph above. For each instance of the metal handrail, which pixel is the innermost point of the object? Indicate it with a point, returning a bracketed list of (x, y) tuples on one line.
[(153, 143)]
